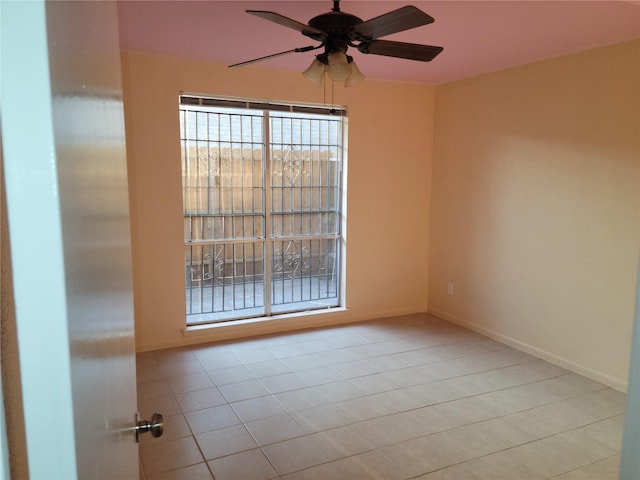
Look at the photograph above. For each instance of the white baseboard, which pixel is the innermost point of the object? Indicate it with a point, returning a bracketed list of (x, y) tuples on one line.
[(616, 383)]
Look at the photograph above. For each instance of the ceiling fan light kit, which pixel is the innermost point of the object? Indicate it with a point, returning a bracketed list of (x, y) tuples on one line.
[(355, 77), (315, 72), (337, 31), (338, 69)]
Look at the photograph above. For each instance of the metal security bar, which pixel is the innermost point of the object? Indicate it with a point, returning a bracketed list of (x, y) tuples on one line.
[(262, 210)]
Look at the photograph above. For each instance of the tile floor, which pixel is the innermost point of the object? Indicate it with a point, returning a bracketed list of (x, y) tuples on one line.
[(410, 397)]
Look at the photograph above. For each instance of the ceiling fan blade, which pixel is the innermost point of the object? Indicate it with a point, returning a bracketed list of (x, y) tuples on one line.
[(410, 51), (290, 23), (395, 21), (259, 59)]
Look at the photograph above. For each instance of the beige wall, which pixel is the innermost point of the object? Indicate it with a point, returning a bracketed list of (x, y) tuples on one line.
[(535, 207), (388, 190)]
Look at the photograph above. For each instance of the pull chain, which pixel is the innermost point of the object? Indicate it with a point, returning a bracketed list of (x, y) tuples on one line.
[(332, 110)]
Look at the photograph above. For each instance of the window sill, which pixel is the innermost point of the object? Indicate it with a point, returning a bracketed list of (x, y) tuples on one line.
[(266, 325)]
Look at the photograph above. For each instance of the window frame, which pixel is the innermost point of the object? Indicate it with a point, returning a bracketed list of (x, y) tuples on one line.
[(269, 238)]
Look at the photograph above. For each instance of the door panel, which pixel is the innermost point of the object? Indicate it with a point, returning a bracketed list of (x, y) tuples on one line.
[(69, 227)]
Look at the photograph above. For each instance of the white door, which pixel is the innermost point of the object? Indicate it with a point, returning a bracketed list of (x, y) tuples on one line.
[(66, 185)]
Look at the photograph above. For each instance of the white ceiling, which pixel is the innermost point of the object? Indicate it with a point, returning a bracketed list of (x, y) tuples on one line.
[(477, 36)]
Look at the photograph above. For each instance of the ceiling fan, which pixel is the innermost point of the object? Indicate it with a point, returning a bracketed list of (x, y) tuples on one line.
[(337, 31)]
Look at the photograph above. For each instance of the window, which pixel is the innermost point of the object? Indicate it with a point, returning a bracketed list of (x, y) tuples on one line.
[(262, 203)]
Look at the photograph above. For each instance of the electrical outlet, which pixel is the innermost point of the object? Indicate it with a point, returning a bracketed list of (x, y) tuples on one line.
[(449, 288)]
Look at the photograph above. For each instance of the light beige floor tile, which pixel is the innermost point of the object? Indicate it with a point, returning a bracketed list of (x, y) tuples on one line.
[(387, 430), (385, 347), (268, 368), (456, 367), (607, 469), (429, 355), (295, 454), (212, 419), (347, 339), (219, 360), (283, 383), (225, 441), (377, 466), (189, 383), (289, 350), (363, 408), (213, 351), (301, 399), (320, 418), (153, 389), (322, 376), (354, 368), (608, 432), (570, 385), (178, 369), (483, 362), (275, 429), (396, 401), (484, 382), (200, 399), (148, 374), (485, 437), (165, 403), (535, 371), (504, 466), (387, 363), (425, 421), (426, 454), (338, 391), (332, 357), (478, 346), (437, 392), (365, 466), (551, 419), (462, 471), (249, 465), (511, 356), (467, 410), (146, 360), (171, 455), (199, 471), (408, 376), (552, 456), (498, 466), (344, 468), (174, 355), (254, 355), (374, 383), (223, 376), (522, 397), (342, 442), (234, 392), (257, 408), (604, 403), (307, 361)]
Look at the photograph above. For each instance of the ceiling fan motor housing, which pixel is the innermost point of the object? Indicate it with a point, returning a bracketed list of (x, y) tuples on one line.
[(335, 23), (338, 26)]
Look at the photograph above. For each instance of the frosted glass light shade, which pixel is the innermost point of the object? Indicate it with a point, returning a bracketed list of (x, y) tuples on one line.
[(339, 70), (355, 77), (315, 72)]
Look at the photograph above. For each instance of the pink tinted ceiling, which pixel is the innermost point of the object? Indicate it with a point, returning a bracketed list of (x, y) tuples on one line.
[(477, 36)]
